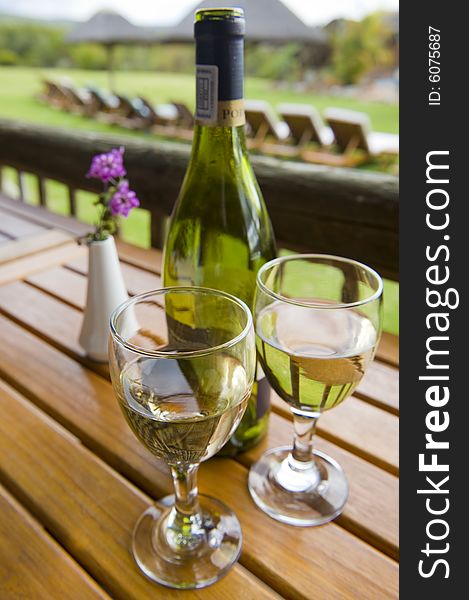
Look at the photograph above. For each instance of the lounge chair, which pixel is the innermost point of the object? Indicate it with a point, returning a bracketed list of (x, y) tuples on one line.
[(266, 132), (146, 110), (55, 95), (80, 101), (129, 113), (181, 121), (305, 124), (262, 122), (160, 116), (50, 93), (103, 103), (185, 118), (352, 131), (167, 114), (124, 107), (148, 116), (117, 109)]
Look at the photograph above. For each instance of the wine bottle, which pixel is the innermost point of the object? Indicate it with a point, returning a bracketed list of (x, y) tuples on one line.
[(220, 233)]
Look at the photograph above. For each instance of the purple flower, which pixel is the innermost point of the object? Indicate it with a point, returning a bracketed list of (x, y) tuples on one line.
[(108, 166), (123, 200)]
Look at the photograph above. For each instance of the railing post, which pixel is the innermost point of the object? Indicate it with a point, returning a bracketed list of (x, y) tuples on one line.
[(159, 225), (21, 186), (41, 188), (72, 200)]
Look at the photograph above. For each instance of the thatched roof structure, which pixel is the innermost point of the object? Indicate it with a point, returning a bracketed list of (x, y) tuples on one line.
[(266, 21), (109, 28)]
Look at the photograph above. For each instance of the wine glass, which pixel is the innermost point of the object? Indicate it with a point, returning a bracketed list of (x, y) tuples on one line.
[(318, 322), (182, 365)]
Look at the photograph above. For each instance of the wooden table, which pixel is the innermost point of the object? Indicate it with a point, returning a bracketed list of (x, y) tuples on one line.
[(73, 479)]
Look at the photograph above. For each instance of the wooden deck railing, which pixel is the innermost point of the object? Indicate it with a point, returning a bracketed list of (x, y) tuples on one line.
[(313, 208)]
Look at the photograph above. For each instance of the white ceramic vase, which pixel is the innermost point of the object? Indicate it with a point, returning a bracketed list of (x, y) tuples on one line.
[(106, 291)]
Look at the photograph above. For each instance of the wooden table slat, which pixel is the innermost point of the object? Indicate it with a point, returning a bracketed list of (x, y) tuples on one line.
[(63, 284), (41, 216), (4, 238), (26, 265), (359, 427), (17, 227), (87, 506), (136, 279), (81, 401), (380, 386), (149, 259), (365, 423), (33, 565), (31, 244)]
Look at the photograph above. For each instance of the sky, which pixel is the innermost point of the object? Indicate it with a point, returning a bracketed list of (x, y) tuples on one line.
[(164, 12)]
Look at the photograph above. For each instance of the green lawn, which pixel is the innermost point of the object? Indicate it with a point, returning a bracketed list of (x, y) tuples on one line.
[(19, 85)]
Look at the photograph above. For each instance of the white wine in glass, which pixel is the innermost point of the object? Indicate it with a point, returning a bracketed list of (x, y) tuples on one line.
[(316, 359), (179, 422)]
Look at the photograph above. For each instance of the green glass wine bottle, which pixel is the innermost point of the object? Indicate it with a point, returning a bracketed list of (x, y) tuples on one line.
[(220, 233)]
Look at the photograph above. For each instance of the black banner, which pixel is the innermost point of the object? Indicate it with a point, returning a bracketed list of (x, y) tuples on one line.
[(433, 290)]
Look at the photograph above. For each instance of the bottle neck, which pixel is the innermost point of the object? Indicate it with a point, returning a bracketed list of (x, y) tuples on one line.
[(219, 78), (219, 138)]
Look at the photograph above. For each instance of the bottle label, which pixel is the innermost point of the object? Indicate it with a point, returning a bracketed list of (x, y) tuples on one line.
[(207, 93), (210, 111), (231, 113)]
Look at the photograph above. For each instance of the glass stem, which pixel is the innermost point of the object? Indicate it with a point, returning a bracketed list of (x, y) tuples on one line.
[(299, 471), (305, 428), (185, 526), (185, 489)]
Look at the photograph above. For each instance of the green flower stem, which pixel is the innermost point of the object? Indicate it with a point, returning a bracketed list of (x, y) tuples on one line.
[(107, 223)]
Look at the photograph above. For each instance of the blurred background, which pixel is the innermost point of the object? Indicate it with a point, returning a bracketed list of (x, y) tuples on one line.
[(340, 53), (322, 83)]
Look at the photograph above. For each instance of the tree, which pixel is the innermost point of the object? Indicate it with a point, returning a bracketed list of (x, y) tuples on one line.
[(359, 47), (33, 44)]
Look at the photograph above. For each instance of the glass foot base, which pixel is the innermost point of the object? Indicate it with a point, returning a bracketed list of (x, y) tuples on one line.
[(298, 494), (187, 568)]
